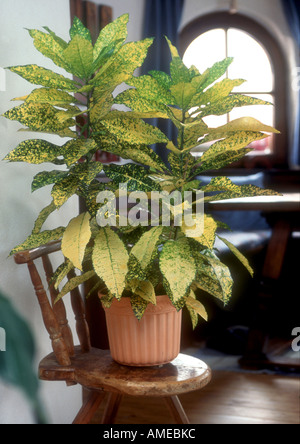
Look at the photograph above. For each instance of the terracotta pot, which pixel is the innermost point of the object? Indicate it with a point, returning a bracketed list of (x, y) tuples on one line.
[(154, 340)]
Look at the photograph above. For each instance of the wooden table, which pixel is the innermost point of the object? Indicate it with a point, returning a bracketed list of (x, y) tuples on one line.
[(283, 215)]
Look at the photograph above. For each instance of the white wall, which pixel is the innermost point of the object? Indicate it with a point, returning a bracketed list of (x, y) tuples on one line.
[(18, 208), (270, 14)]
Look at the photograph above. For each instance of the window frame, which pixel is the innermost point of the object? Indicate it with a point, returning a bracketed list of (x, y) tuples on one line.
[(279, 157)]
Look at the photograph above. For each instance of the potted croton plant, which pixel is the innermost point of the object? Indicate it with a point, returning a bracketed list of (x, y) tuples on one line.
[(145, 234)]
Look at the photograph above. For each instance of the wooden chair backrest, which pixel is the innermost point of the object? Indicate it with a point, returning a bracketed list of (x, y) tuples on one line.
[(54, 314)]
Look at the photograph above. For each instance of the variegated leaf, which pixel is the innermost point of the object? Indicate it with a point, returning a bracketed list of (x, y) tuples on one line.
[(145, 290), (79, 55), (38, 117), (34, 151), (238, 140), (44, 214), (221, 272), (75, 149), (216, 92), (113, 36), (110, 259), (138, 305), (135, 176), (238, 254), (78, 28), (207, 239), (36, 240), (230, 190), (49, 47), (52, 96), (132, 130), (177, 278), (222, 159), (75, 239), (74, 283), (44, 77), (86, 172), (61, 273), (120, 68), (64, 189), (146, 248), (196, 305), (227, 104), (212, 74), (47, 178)]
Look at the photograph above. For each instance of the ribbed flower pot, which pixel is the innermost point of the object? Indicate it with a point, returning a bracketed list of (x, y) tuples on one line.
[(154, 340)]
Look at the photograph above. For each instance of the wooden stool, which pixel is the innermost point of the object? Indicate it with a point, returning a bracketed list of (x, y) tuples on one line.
[(97, 372), (94, 369)]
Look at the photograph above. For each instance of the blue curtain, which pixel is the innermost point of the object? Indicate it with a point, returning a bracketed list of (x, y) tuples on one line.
[(292, 11), (162, 18)]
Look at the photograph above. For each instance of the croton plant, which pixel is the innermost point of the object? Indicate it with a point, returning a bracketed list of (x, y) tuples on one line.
[(141, 261)]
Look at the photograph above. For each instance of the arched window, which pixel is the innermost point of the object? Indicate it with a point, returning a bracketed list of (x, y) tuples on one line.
[(257, 59)]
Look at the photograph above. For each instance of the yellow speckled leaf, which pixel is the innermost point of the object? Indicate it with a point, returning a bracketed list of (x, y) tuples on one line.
[(114, 33), (44, 77), (64, 189), (49, 47), (146, 247), (74, 283), (195, 305), (209, 234), (79, 55), (238, 254), (52, 96), (76, 238), (35, 151), (178, 268), (36, 240), (110, 259)]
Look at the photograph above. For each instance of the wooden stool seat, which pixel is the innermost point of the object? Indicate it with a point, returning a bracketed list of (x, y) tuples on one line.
[(99, 373)]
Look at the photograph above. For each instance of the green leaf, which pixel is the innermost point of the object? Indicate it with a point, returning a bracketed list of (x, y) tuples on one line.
[(44, 77), (238, 140), (86, 172), (49, 47), (178, 279), (227, 104), (132, 130), (34, 151), (44, 214), (223, 159), (48, 95), (36, 240), (146, 247), (47, 178), (113, 36), (208, 237), (74, 283), (195, 305), (64, 189), (75, 239), (214, 73), (138, 305), (120, 68), (79, 29), (238, 254), (39, 117), (110, 260), (75, 149), (61, 273), (221, 272), (216, 92), (136, 177), (79, 55), (144, 289), (229, 190)]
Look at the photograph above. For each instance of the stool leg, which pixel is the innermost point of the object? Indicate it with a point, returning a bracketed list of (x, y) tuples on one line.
[(177, 410), (111, 409), (89, 408)]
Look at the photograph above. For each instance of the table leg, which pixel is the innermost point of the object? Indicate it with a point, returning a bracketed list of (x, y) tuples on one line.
[(176, 410)]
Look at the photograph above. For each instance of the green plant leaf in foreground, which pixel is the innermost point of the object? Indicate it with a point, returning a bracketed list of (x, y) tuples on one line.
[(110, 259), (75, 239), (36, 240), (238, 254)]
